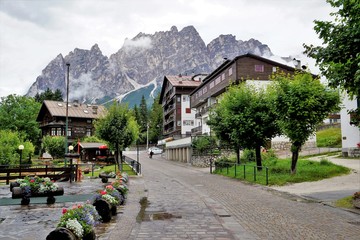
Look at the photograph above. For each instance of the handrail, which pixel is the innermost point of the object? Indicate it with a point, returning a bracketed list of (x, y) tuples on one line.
[(235, 165)]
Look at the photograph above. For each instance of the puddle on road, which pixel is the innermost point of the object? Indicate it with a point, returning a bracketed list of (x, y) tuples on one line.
[(144, 215)]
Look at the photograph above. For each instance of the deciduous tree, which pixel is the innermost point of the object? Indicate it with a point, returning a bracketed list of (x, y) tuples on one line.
[(301, 103), (339, 57), (244, 118), (118, 128), (18, 114)]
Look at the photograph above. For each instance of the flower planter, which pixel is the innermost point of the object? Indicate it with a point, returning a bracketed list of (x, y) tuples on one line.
[(61, 233), (104, 208), (65, 234), (17, 192), (14, 184)]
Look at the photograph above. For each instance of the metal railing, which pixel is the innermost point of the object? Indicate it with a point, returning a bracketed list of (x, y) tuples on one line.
[(240, 170), (135, 165)]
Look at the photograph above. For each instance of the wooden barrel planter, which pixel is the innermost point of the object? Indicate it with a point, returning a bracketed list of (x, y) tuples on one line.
[(65, 234), (17, 192), (61, 233), (14, 184), (105, 209), (105, 177)]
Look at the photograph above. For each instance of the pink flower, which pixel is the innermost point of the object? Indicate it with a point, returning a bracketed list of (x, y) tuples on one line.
[(110, 187), (64, 210), (32, 180)]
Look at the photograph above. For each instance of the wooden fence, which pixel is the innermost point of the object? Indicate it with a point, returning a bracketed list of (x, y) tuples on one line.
[(9, 172)]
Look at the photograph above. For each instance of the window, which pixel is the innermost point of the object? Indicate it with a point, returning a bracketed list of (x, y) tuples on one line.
[(223, 77), (178, 99), (88, 121), (188, 122), (217, 81), (184, 98), (188, 110), (211, 85), (230, 71), (58, 131), (204, 89), (69, 132), (53, 131), (179, 123), (259, 68), (88, 132)]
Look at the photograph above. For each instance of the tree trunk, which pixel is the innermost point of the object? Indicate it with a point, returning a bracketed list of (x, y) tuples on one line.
[(258, 157), (295, 148), (121, 161), (117, 155), (238, 155)]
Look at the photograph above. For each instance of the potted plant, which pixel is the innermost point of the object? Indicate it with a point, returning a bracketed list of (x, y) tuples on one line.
[(36, 187), (76, 223)]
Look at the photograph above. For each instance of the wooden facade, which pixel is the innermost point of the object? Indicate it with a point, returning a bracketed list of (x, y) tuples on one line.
[(241, 68), (52, 119), (246, 67)]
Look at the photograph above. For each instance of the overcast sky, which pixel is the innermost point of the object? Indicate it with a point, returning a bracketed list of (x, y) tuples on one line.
[(34, 32)]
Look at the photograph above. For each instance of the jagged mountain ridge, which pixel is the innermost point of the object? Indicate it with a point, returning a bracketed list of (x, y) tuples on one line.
[(145, 58)]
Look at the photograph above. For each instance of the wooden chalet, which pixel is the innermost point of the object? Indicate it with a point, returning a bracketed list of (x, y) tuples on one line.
[(52, 119)]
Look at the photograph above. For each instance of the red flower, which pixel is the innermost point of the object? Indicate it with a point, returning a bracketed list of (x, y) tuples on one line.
[(103, 192), (32, 180), (64, 210)]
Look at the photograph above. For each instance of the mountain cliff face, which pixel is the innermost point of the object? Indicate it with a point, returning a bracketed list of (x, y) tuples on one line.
[(145, 58)]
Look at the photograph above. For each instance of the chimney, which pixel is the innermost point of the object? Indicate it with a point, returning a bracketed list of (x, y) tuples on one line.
[(94, 109), (297, 63)]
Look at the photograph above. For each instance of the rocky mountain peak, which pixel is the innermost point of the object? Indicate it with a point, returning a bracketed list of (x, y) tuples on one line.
[(142, 59)]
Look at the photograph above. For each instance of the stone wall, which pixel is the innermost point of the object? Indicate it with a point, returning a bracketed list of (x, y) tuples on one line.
[(287, 145)]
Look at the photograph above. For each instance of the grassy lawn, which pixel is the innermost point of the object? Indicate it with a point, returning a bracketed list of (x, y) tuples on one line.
[(345, 202), (279, 171), (110, 168), (330, 137)]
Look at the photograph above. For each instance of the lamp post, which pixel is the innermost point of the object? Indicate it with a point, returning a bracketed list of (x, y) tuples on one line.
[(21, 148), (147, 136), (71, 148), (67, 109)]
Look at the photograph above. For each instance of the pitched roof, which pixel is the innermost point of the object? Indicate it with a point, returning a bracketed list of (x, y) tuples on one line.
[(75, 110), (179, 81), (186, 81), (88, 145)]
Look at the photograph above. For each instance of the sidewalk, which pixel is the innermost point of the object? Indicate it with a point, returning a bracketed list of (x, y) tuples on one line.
[(332, 189)]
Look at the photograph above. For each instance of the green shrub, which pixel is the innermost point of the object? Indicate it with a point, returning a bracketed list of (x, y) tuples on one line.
[(247, 156), (223, 162)]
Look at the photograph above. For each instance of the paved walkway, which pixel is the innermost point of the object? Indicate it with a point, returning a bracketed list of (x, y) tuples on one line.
[(329, 190), (183, 202), (176, 201)]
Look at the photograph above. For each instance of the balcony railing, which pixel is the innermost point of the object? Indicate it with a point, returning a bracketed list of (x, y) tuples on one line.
[(196, 130)]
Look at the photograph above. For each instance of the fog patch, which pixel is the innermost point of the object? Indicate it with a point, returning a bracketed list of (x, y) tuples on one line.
[(139, 43), (83, 88)]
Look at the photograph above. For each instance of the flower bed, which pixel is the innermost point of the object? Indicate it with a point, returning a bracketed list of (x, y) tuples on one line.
[(35, 187), (79, 221)]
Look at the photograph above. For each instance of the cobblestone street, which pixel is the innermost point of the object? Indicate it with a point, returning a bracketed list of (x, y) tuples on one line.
[(176, 201), (208, 206)]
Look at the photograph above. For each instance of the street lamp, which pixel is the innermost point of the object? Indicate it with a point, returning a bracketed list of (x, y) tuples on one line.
[(71, 148), (147, 136), (67, 108), (21, 148)]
